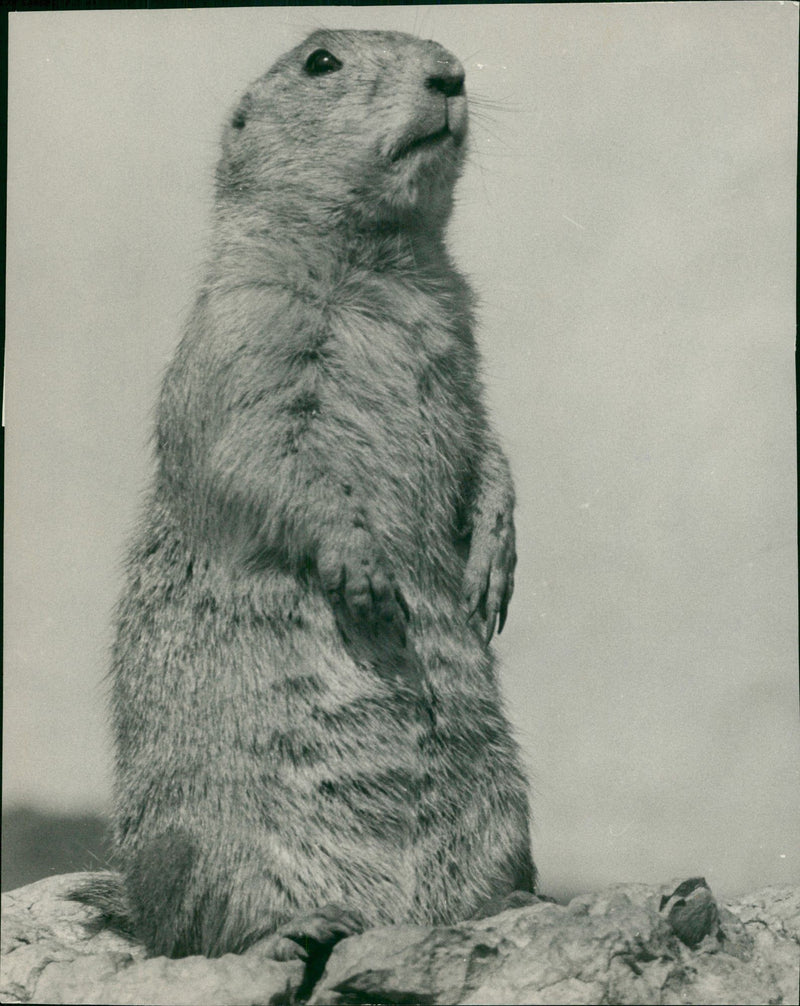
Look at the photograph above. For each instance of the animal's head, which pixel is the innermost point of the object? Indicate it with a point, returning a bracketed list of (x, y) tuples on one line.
[(361, 125)]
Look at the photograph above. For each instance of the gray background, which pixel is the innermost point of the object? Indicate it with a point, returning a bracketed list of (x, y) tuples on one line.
[(627, 215)]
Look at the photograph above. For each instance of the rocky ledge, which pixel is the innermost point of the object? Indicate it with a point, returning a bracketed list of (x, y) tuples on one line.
[(630, 943)]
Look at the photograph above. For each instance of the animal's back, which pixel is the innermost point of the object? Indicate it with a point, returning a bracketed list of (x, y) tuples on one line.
[(304, 713)]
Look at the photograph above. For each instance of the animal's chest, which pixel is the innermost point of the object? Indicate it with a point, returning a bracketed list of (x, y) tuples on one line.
[(403, 375), (397, 359)]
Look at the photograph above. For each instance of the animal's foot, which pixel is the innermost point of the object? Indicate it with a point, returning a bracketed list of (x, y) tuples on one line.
[(312, 935), (502, 903)]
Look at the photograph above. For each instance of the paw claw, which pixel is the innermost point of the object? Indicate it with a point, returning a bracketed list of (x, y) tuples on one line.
[(403, 604), (503, 614)]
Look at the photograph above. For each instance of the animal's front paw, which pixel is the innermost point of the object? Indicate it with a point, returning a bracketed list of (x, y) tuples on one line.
[(311, 935), (358, 581), (489, 576)]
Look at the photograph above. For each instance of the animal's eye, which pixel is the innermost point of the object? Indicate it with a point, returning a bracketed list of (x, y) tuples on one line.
[(322, 61)]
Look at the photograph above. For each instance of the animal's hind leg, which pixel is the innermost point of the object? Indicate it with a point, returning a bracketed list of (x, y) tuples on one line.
[(474, 844)]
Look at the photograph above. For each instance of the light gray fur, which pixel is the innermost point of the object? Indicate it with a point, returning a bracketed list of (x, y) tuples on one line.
[(304, 712)]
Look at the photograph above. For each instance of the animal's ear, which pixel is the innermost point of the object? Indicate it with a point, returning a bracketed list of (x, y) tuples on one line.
[(239, 117)]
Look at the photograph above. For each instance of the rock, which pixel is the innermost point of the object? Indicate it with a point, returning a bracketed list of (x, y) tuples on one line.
[(630, 943), (615, 946), (772, 918), (691, 911), (49, 956)]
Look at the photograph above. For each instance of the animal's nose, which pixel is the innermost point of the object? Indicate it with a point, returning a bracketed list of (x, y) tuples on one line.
[(449, 81)]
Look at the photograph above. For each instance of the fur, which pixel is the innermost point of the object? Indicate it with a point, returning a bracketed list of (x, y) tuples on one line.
[(304, 710)]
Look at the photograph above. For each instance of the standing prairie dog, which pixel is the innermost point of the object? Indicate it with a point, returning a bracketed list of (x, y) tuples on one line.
[(306, 711)]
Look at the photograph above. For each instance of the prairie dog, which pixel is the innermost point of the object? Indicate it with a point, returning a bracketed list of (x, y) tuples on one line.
[(306, 710)]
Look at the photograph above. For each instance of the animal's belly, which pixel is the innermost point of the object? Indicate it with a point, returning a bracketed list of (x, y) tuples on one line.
[(411, 474)]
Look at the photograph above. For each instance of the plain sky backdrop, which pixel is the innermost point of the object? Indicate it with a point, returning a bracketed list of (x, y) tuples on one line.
[(627, 216)]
